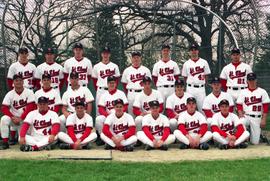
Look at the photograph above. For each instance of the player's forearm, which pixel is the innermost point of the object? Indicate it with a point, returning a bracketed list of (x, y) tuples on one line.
[(86, 133), (24, 129), (5, 110), (131, 132), (55, 129), (89, 108), (166, 133)]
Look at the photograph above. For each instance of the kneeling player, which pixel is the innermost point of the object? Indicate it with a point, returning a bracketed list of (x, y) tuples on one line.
[(227, 128), (156, 129), (192, 128), (44, 125), (119, 129), (79, 126)]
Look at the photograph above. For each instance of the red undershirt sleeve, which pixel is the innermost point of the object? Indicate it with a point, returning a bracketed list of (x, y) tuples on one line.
[(182, 128), (71, 134), (5, 110), (208, 113), (106, 131), (148, 133), (55, 128), (86, 133), (131, 132), (166, 133), (137, 111), (203, 129), (24, 129), (216, 129), (239, 131), (170, 113)]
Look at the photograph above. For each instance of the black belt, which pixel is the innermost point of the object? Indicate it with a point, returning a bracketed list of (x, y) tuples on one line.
[(84, 85), (254, 116), (166, 86), (104, 88), (133, 90), (196, 86), (237, 88)]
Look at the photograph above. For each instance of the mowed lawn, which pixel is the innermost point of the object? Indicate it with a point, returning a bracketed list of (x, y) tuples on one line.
[(257, 169)]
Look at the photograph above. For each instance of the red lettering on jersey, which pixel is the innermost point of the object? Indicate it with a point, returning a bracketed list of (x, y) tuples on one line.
[(196, 70), (227, 127), (40, 124), (192, 125), (107, 73), (146, 106), (79, 69), (51, 101), (156, 130), (252, 100), (79, 128), (120, 128), (237, 74), (53, 73), (109, 105), (19, 104), (180, 108), (27, 74), (166, 71), (72, 100), (137, 77), (215, 108)]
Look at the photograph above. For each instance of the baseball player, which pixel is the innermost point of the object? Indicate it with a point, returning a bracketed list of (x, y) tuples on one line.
[(196, 71), (155, 129), (50, 67), (47, 91), (16, 105), (176, 103), (101, 72), (79, 129), (105, 106), (141, 106), (165, 72), (234, 75), (252, 105), (132, 79), (44, 126), (227, 129), (192, 128), (210, 103), (74, 94), (79, 64), (23, 67), (119, 129)]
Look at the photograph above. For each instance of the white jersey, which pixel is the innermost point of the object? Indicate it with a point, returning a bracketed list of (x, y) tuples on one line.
[(41, 125), (142, 100), (101, 71), (156, 126), (119, 126), (236, 76), (165, 72), (195, 71), (133, 77), (18, 102), (82, 67), (226, 124), (70, 97), (51, 94), (192, 122), (27, 71), (176, 103), (78, 124), (211, 101), (106, 99), (252, 101), (55, 70)]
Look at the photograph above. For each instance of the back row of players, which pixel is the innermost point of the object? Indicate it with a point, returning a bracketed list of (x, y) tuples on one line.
[(236, 78)]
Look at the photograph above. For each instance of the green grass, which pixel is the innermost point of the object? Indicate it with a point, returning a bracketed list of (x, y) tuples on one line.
[(257, 169)]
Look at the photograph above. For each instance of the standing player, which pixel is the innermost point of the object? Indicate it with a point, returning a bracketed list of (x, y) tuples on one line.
[(192, 128), (23, 67), (176, 103), (79, 129), (196, 71), (165, 72), (50, 67), (252, 105), (141, 106), (119, 129), (101, 72), (16, 105), (132, 79), (234, 75), (79, 64), (155, 129), (227, 129), (210, 103), (44, 125), (76, 93), (53, 95)]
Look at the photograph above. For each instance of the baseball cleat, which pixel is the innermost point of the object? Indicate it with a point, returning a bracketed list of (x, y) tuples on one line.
[(164, 147), (147, 148), (64, 146), (223, 147), (138, 144), (26, 148), (242, 145), (108, 147), (203, 146), (99, 142), (13, 141), (4, 146), (183, 146), (129, 148), (86, 147)]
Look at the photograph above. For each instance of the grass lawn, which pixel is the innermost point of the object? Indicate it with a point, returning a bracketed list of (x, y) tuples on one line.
[(257, 169)]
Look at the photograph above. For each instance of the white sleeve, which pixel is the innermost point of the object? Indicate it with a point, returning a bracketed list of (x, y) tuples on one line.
[(88, 95), (249, 70), (28, 119), (31, 96), (131, 121), (155, 70), (160, 97), (11, 72), (55, 117), (223, 74), (61, 74), (102, 101), (37, 74), (169, 103), (166, 122), (265, 97), (202, 119), (89, 120), (184, 70), (176, 69), (230, 99), (137, 101), (206, 104), (94, 72), (240, 99), (117, 72), (65, 99), (148, 72), (57, 99), (145, 121), (124, 98), (181, 118), (207, 69), (108, 120), (90, 68), (124, 77), (65, 70), (7, 100), (236, 120), (70, 120), (214, 120)]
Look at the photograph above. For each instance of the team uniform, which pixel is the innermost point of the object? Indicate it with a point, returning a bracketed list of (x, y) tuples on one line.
[(174, 106), (164, 75), (253, 103), (234, 78), (222, 126), (27, 71), (132, 79), (106, 107), (195, 73), (141, 105), (78, 128), (192, 125), (123, 126), (155, 129)]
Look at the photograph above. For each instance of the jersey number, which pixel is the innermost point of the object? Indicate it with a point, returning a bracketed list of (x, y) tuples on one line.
[(54, 80), (46, 132), (82, 76), (257, 108), (201, 77), (170, 78), (240, 81)]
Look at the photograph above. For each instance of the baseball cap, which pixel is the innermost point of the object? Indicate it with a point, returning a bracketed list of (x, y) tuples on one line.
[(193, 46), (165, 46), (49, 50), (111, 78), (251, 76), (106, 49), (146, 79), (136, 54), (153, 103), (179, 82), (235, 50), (43, 99), (78, 45), (23, 50), (79, 103), (215, 80), (17, 76), (191, 99), (118, 101), (223, 101), (74, 75), (46, 76)]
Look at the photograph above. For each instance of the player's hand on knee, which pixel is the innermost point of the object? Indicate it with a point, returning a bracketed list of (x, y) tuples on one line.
[(51, 138), (77, 144), (159, 143), (155, 144), (22, 141)]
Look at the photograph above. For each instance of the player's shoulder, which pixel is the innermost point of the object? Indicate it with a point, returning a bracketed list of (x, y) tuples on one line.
[(128, 116), (33, 113), (199, 114), (120, 92), (52, 113), (171, 97), (87, 116), (27, 91), (162, 116), (187, 95), (233, 116)]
